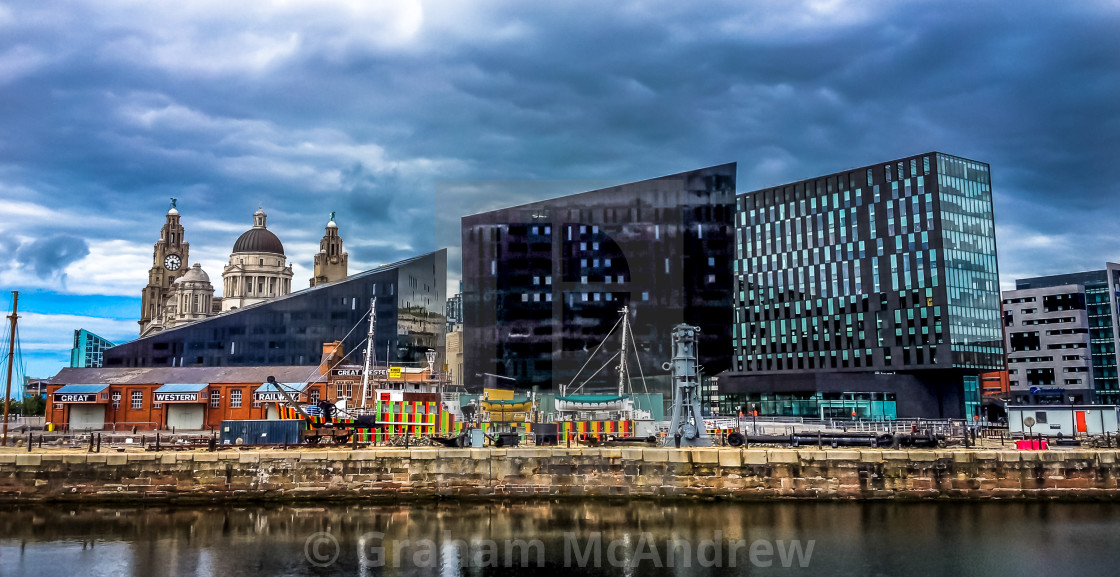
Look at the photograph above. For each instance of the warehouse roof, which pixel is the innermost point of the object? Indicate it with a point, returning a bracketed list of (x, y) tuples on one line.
[(209, 375)]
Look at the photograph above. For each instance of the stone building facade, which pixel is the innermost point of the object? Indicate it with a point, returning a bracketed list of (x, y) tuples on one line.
[(169, 261), (331, 260), (191, 300)]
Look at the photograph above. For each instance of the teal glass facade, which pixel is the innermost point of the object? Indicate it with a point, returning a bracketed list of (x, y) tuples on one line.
[(873, 406), (89, 349), (881, 278), (1102, 338), (971, 271), (971, 397)]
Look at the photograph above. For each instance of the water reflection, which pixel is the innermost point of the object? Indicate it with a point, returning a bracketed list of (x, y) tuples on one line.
[(624, 538)]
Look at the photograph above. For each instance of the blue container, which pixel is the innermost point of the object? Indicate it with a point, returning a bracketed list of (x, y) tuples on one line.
[(262, 432)]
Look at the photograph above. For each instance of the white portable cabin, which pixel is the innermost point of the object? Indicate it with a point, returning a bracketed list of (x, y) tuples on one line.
[(1069, 420)]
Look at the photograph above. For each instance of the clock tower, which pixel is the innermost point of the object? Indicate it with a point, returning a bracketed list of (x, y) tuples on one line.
[(169, 261)]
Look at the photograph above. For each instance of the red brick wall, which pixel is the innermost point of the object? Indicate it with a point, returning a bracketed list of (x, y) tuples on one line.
[(226, 411), (148, 417)]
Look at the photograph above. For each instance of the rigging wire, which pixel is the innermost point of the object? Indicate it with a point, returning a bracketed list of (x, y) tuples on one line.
[(313, 371), (638, 358), (585, 363), (613, 357), (19, 368)]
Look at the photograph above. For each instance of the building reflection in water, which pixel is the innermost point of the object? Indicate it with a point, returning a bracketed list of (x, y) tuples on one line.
[(848, 538)]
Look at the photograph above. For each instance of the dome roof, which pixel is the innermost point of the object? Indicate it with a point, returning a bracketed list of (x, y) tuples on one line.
[(258, 240), (194, 274)]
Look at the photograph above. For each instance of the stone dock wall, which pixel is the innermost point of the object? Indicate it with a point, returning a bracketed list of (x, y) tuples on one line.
[(402, 474)]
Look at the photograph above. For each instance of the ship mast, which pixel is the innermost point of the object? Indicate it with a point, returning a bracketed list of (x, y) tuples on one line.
[(369, 349), (11, 357), (622, 376)]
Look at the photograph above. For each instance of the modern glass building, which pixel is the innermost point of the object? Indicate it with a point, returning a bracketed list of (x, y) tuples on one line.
[(543, 283), (871, 291), (1061, 338), (291, 330), (454, 310), (88, 349)]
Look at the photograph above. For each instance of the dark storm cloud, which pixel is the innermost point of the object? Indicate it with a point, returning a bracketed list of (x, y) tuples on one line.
[(371, 110), (48, 256)]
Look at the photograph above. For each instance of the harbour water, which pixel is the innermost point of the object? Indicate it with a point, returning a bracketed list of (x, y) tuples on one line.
[(566, 537)]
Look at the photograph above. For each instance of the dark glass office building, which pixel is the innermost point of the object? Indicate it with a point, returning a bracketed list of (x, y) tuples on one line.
[(543, 283), (291, 330), (871, 291)]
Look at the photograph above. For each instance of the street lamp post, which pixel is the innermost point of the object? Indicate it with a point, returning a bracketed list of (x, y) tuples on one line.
[(431, 356)]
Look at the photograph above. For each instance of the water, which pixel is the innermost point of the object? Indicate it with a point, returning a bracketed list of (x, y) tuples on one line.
[(789, 538)]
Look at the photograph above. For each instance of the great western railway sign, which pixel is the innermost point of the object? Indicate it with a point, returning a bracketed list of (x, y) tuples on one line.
[(276, 396), (75, 398), (176, 397), (375, 373)]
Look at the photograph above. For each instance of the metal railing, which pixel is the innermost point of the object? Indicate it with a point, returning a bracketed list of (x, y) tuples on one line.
[(15, 422)]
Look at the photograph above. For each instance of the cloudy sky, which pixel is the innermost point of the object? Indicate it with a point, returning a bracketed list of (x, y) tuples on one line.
[(402, 116)]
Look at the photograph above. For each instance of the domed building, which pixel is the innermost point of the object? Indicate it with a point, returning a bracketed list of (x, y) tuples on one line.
[(257, 269), (191, 298)]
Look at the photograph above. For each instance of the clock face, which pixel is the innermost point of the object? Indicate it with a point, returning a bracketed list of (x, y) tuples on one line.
[(172, 262)]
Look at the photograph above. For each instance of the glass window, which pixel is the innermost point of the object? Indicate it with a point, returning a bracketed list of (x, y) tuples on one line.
[(137, 399), (235, 398)]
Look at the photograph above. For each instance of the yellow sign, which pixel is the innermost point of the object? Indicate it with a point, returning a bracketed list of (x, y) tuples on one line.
[(394, 372), (929, 301)]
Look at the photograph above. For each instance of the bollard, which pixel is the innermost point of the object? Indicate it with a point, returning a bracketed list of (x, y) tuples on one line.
[(40, 440), (157, 441), (406, 440), (819, 442), (355, 440), (98, 443), (30, 437), (213, 442), (91, 441), (569, 437), (1001, 438)]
